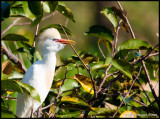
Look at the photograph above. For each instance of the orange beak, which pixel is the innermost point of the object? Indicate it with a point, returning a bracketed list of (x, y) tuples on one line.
[(65, 41)]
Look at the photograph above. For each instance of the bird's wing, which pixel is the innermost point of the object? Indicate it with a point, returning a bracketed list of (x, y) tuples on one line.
[(24, 102)]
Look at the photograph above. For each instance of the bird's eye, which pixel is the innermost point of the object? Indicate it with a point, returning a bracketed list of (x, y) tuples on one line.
[(54, 39)]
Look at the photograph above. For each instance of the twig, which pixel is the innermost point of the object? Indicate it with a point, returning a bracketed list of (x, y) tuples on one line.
[(100, 86), (144, 91), (88, 69), (146, 56), (101, 50), (140, 103), (127, 93), (150, 85), (130, 28), (10, 26), (13, 58), (10, 97), (57, 94)]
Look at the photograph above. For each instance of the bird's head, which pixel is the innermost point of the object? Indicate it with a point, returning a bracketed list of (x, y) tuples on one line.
[(50, 41)]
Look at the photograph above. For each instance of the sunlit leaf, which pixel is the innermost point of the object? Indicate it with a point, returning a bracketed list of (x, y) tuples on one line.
[(59, 28), (134, 44), (74, 100), (63, 9), (50, 6), (27, 11), (14, 37), (100, 32), (128, 114), (102, 111), (123, 66), (99, 65), (110, 15), (85, 82)]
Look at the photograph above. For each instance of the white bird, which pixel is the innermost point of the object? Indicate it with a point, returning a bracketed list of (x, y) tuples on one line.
[(40, 74)]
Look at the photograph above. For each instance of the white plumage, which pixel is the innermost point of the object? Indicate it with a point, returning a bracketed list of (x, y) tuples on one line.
[(40, 74)]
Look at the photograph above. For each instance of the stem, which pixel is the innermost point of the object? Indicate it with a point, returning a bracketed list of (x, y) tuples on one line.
[(101, 50), (87, 68), (127, 92)]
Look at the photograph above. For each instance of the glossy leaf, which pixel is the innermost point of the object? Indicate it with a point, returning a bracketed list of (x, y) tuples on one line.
[(20, 87), (16, 11), (100, 32), (123, 66), (50, 6), (30, 90), (99, 65), (102, 111), (11, 85), (35, 7), (63, 9), (27, 11), (134, 44), (110, 15), (85, 82), (14, 37), (74, 100), (59, 28)]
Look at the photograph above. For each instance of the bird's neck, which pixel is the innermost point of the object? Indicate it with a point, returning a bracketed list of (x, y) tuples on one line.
[(49, 59)]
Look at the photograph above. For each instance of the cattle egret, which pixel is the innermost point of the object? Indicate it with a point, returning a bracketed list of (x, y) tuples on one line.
[(40, 74)]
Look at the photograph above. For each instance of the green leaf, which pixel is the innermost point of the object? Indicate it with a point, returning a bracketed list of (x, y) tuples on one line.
[(110, 15), (18, 86), (126, 100), (69, 115), (99, 65), (11, 85), (123, 66), (73, 100), (16, 11), (35, 7), (59, 28), (50, 6), (37, 20), (17, 3), (5, 113), (107, 43), (63, 9), (134, 44), (102, 111), (30, 90), (27, 11), (14, 37), (100, 32)]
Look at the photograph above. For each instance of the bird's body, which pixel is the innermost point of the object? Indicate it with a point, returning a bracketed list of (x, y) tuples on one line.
[(40, 74)]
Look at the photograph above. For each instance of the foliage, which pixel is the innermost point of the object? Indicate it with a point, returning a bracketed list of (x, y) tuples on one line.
[(83, 76)]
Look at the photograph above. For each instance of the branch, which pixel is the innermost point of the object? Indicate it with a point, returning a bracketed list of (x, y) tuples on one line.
[(127, 93), (130, 28), (13, 58), (10, 26), (58, 95), (101, 50), (87, 68), (150, 85)]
